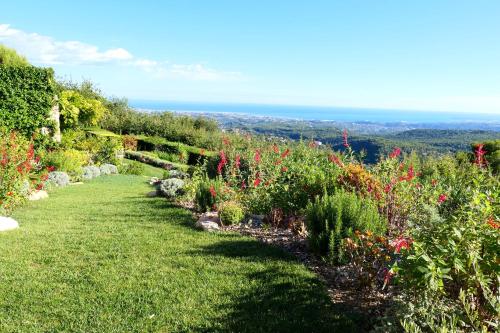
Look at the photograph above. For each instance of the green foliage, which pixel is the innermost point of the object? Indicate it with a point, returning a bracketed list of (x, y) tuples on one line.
[(454, 260), (153, 160), (331, 218), (9, 57), (209, 193), (26, 96), (70, 161), (200, 132), (132, 168), (78, 110), (231, 212), (173, 151)]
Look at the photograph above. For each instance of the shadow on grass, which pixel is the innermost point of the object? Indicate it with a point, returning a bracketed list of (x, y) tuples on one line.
[(283, 299)]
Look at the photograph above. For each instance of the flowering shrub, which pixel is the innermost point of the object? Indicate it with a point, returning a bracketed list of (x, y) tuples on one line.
[(171, 187), (20, 170), (209, 193), (58, 178), (455, 261)]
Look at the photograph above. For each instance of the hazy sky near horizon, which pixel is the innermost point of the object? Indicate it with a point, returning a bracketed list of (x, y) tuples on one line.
[(427, 55)]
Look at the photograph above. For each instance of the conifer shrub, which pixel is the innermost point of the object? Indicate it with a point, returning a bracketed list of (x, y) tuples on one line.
[(231, 212), (331, 218)]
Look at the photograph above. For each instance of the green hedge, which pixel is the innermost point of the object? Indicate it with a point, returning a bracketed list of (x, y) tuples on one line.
[(26, 97), (156, 162), (195, 155)]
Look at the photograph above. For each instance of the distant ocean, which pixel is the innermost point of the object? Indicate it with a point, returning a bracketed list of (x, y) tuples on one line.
[(340, 114)]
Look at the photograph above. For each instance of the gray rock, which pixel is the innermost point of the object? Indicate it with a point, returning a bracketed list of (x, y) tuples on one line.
[(8, 223), (208, 221), (255, 221)]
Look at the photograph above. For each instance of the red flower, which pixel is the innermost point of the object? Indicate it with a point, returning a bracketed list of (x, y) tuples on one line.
[(285, 153), (493, 224), (243, 185), (51, 168), (226, 141), (442, 198), (237, 161), (257, 156), (20, 169), (388, 188), (257, 180), (213, 193), (479, 155), (395, 153), (39, 187), (222, 162), (276, 149), (344, 139), (434, 182), (401, 243), (284, 169), (335, 159), (388, 276)]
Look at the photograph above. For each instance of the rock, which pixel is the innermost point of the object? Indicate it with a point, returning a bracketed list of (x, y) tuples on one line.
[(37, 195), (208, 221), (7, 223), (255, 221)]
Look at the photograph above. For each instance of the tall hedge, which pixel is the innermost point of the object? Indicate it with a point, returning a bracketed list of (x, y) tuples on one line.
[(26, 96)]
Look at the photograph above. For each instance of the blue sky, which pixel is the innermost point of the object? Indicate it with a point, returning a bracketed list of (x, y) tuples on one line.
[(428, 55)]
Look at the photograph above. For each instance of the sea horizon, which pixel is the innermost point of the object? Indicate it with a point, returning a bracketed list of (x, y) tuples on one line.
[(316, 113)]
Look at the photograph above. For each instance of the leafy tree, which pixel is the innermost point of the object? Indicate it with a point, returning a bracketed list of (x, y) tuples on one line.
[(9, 57)]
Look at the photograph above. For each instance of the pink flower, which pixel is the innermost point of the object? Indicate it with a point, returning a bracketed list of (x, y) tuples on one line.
[(243, 185), (237, 161), (344, 138), (442, 198), (222, 162), (395, 153), (256, 182)]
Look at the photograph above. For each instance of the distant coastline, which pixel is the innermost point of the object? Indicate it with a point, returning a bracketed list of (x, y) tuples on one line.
[(360, 120), (318, 113)]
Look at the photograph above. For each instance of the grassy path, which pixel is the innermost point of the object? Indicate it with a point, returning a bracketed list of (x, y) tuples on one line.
[(101, 257)]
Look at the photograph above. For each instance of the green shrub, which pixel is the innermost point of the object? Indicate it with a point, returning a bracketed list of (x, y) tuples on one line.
[(9, 57), (231, 212), (132, 168), (209, 192), (331, 218), (70, 161), (26, 97)]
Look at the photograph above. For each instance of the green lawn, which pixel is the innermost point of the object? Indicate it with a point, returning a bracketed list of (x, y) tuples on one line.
[(101, 257)]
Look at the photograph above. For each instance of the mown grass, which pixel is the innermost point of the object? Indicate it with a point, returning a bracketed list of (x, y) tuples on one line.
[(101, 257)]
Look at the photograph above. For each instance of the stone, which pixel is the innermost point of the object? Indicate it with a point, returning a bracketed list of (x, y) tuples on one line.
[(8, 223), (208, 221), (256, 221), (38, 195)]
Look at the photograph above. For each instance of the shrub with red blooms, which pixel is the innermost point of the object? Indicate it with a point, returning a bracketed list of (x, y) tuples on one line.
[(19, 171)]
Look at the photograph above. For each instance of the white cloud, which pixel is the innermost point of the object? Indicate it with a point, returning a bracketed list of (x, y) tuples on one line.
[(45, 50)]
